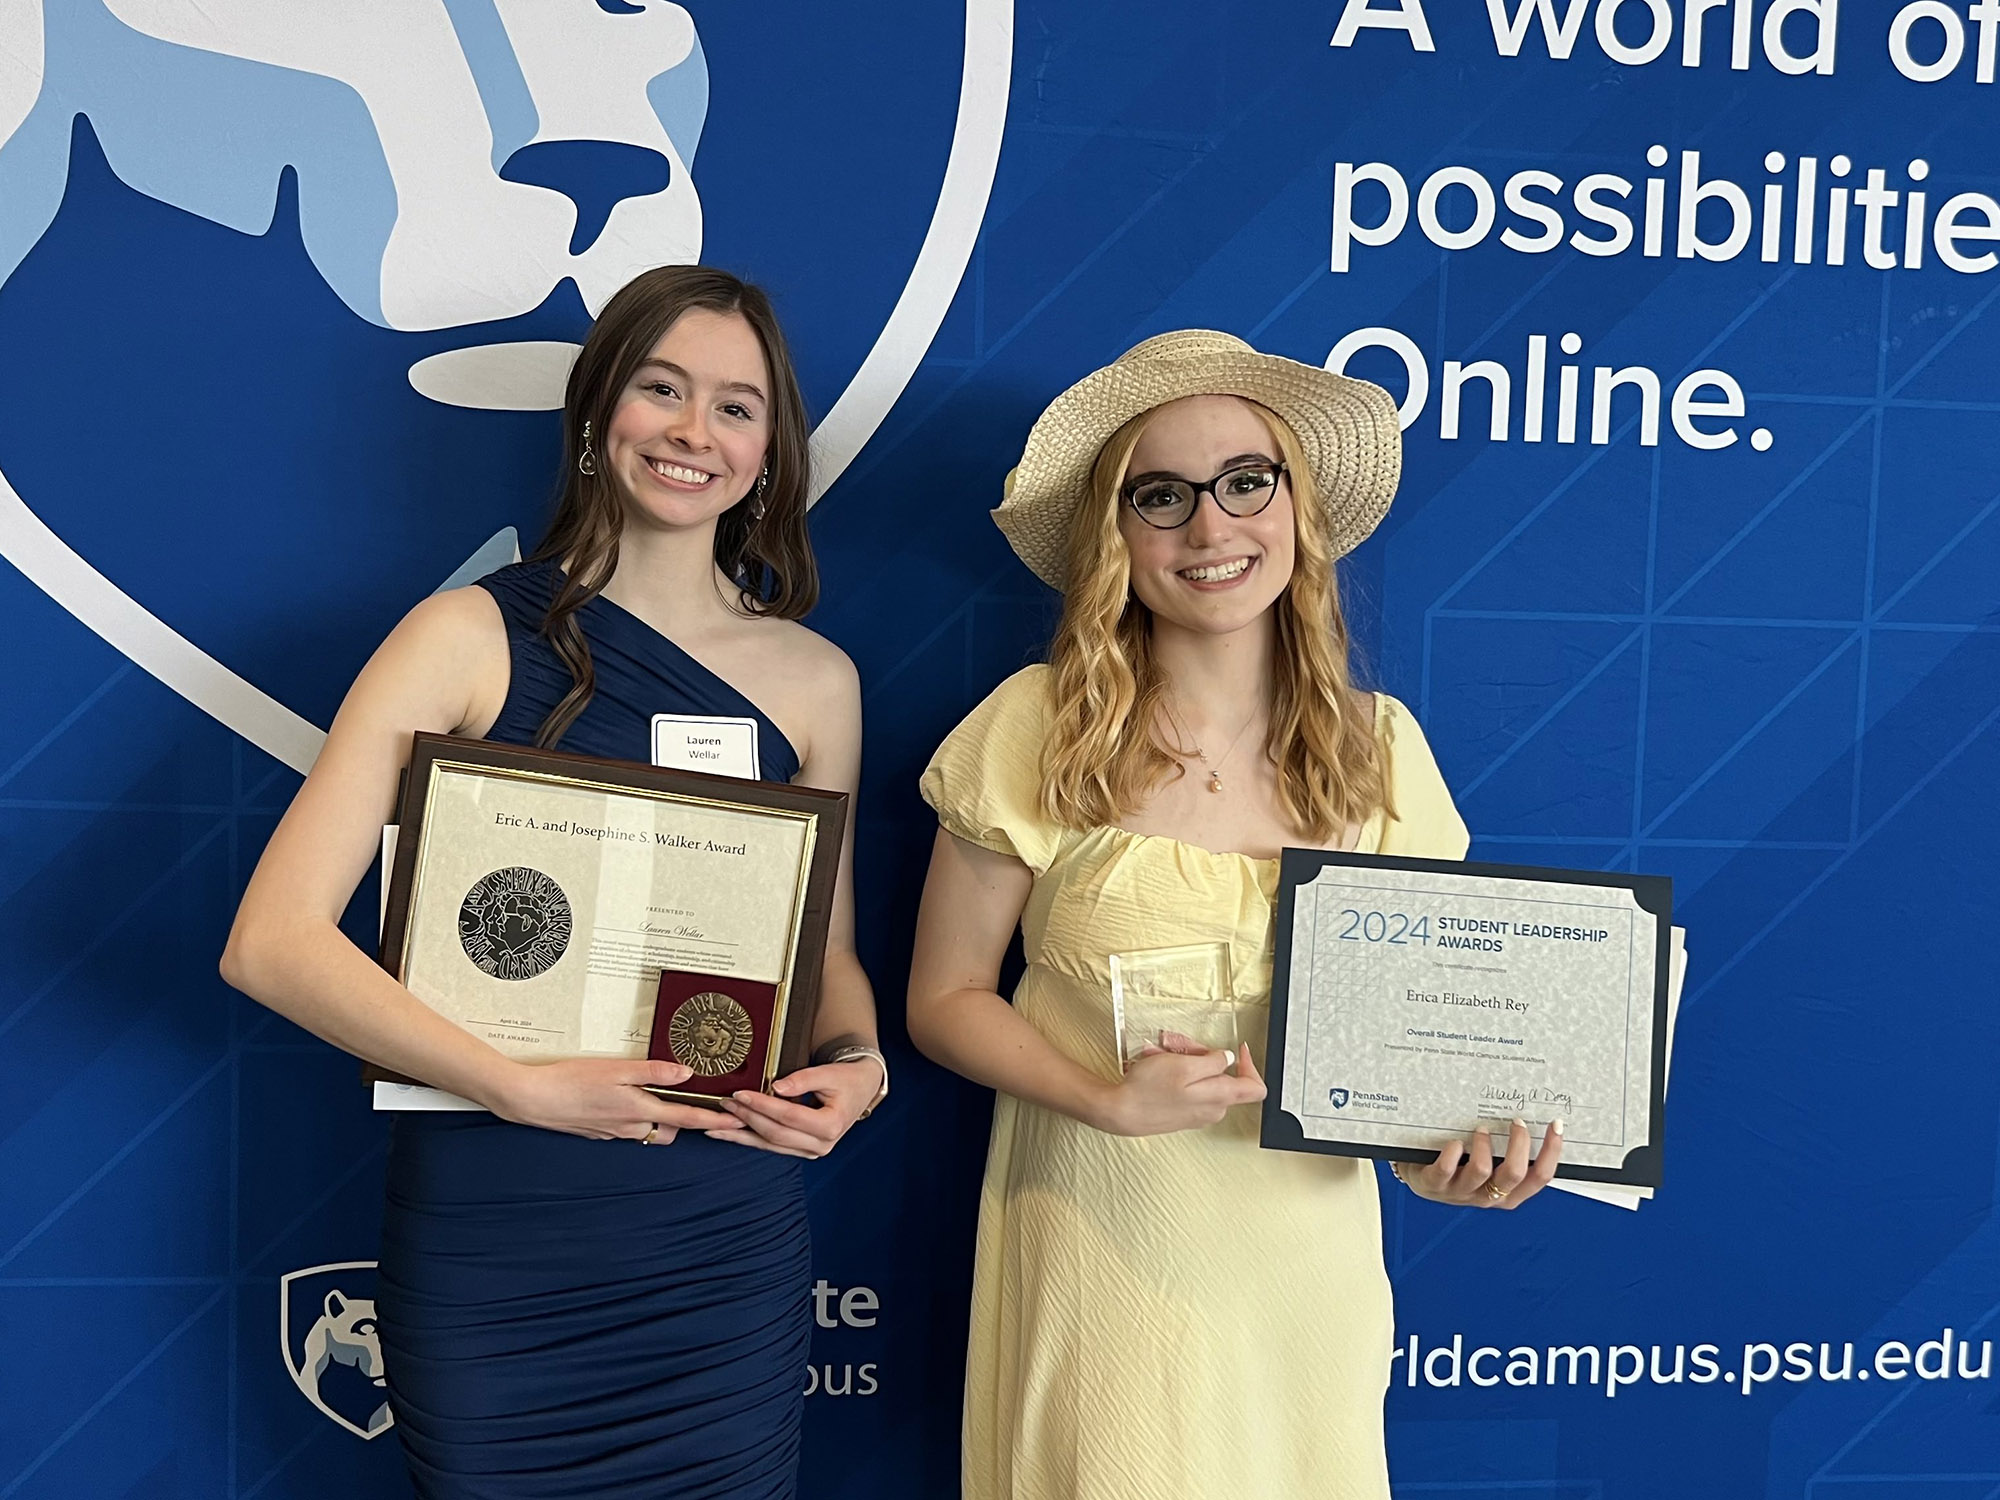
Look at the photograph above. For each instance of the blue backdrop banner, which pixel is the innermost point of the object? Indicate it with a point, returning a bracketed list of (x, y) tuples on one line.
[(1695, 569)]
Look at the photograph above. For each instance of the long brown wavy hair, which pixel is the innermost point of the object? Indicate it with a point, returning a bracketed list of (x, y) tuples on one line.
[(1106, 751), (770, 560)]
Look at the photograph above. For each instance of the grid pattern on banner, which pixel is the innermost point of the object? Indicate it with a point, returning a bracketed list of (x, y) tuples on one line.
[(138, 1076), (1832, 656), (1855, 613)]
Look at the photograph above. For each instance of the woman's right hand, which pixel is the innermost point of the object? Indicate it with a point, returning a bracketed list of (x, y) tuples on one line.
[(1180, 1085), (602, 1099)]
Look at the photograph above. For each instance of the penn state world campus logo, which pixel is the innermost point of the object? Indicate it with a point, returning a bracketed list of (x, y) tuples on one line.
[(1338, 1098), (322, 271), (326, 1331)]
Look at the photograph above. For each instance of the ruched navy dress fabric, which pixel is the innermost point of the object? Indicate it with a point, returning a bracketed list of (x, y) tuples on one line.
[(566, 1317)]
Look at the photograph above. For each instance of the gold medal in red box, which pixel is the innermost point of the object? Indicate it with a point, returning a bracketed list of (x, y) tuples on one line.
[(719, 1026)]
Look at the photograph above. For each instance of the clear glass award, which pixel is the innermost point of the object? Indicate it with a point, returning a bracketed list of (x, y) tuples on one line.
[(1185, 989)]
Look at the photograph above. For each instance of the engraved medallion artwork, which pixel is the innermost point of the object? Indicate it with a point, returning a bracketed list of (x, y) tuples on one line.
[(515, 923), (710, 1033)]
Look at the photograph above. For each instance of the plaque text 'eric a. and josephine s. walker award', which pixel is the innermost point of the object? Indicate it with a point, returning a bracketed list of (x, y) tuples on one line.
[(564, 906)]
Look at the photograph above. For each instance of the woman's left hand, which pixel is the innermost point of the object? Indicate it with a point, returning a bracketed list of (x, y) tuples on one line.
[(781, 1124), (1473, 1179)]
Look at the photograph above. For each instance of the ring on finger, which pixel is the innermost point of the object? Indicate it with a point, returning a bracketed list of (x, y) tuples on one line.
[(1495, 1193), (652, 1133)]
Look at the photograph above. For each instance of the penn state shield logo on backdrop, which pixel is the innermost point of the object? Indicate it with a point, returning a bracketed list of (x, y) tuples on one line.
[(326, 1329), (289, 292), (1338, 1098)]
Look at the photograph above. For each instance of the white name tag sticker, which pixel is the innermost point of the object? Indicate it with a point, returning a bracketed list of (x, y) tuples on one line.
[(702, 742)]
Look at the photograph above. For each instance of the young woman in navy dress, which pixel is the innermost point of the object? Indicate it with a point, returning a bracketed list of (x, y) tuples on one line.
[(564, 1313)]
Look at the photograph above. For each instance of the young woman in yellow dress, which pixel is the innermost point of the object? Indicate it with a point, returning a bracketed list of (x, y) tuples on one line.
[(1161, 1309)]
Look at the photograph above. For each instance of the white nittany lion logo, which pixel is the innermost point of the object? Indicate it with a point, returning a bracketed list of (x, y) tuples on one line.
[(488, 170), (455, 161), (337, 1361)]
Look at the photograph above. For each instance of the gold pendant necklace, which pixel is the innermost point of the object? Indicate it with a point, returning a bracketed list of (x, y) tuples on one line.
[(1214, 770)]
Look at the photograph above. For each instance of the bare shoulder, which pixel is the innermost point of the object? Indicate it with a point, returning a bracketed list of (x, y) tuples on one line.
[(464, 612), (448, 653), (456, 631), (806, 663), (810, 689)]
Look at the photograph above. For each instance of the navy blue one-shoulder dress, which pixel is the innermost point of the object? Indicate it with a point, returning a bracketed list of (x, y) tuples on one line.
[(567, 1317)]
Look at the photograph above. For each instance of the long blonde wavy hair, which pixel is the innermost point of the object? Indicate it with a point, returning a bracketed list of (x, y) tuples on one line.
[(1106, 752)]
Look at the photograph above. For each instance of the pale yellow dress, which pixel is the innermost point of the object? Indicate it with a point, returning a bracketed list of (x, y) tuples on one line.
[(1169, 1317)]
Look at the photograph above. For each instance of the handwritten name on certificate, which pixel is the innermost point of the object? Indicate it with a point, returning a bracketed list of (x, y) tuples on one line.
[(1414, 1001)]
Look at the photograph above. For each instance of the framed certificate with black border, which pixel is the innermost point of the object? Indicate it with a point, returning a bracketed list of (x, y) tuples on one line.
[(1414, 1001), (561, 905)]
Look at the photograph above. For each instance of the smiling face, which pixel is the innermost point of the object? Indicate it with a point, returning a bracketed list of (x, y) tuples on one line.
[(1218, 573), (692, 426)]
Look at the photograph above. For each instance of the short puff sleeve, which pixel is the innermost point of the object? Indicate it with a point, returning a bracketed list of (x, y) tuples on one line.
[(1427, 824), (985, 781)]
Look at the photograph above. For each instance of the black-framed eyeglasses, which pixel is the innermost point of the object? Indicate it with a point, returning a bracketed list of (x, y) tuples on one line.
[(1242, 490)]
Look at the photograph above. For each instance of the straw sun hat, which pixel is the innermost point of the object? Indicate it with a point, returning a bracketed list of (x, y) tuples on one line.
[(1347, 428)]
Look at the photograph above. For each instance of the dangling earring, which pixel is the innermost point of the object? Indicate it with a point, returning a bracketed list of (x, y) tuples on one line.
[(586, 461), (757, 494)]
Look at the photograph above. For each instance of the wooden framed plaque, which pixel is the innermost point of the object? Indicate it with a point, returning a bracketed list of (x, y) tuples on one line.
[(559, 905)]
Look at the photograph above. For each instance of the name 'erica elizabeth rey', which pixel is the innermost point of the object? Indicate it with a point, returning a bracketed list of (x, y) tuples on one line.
[(1475, 1002)]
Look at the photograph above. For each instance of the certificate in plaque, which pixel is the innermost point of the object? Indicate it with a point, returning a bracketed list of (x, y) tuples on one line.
[(1414, 1001), (560, 906)]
